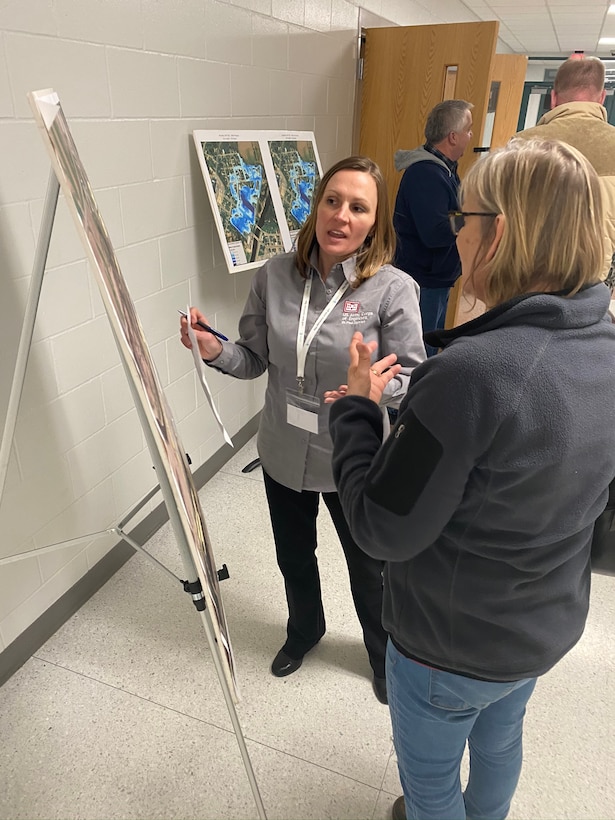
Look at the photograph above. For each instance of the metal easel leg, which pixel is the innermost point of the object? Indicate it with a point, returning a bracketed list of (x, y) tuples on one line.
[(25, 340), (195, 589)]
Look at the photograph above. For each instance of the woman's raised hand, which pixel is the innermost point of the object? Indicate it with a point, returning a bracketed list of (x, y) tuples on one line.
[(364, 378)]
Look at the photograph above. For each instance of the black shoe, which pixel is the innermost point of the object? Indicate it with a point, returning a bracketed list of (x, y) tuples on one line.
[(380, 689), (398, 812), (283, 665)]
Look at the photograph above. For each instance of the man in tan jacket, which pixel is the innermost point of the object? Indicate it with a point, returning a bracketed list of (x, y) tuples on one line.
[(578, 118)]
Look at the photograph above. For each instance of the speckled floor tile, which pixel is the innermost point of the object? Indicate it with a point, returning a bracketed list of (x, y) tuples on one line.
[(384, 804), (76, 748), (121, 715), (327, 708), (73, 747), (242, 459), (391, 783), (140, 634), (293, 788)]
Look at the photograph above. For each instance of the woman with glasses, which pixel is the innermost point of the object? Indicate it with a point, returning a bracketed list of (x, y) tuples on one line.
[(483, 499)]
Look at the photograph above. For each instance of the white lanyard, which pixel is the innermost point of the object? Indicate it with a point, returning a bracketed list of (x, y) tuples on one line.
[(303, 344)]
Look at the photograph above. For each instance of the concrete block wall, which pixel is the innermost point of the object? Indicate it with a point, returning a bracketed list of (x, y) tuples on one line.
[(135, 77)]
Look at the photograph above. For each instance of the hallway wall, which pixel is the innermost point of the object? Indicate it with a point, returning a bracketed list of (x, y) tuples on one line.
[(135, 77)]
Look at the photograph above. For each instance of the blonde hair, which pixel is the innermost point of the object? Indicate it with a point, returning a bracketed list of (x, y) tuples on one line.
[(550, 198), (378, 248)]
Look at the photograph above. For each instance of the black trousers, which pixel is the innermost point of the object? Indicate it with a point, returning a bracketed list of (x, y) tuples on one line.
[(293, 519)]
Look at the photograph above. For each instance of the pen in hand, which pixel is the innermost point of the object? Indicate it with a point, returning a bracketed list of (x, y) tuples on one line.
[(206, 327)]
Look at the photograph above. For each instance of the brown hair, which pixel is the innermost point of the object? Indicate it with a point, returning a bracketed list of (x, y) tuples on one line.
[(550, 198), (579, 75), (378, 248)]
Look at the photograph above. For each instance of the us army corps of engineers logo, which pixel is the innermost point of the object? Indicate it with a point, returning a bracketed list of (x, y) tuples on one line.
[(353, 315)]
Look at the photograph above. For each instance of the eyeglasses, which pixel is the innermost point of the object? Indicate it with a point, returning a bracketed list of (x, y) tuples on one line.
[(457, 218)]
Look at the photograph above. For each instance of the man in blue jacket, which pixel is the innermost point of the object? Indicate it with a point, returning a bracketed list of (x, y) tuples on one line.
[(428, 191)]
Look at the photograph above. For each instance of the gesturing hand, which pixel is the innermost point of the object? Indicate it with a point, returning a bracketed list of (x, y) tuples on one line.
[(364, 378)]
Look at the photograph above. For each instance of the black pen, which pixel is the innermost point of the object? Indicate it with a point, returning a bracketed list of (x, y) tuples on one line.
[(206, 327)]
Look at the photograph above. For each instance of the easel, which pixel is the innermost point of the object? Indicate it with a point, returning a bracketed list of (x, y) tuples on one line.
[(177, 515)]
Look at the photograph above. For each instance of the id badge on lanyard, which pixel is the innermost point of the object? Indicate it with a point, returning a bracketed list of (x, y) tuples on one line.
[(302, 410)]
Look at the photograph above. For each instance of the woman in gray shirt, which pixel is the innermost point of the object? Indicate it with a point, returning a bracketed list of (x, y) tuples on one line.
[(297, 324)]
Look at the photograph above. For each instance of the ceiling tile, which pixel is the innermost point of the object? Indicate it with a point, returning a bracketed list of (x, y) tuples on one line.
[(581, 31), (525, 28), (535, 17), (539, 43), (529, 3), (589, 16), (577, 4), (569, 46), (549, 26), (511, 10)]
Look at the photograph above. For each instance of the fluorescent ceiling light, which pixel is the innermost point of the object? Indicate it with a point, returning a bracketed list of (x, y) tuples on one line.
[(611, 9), (606, 41)]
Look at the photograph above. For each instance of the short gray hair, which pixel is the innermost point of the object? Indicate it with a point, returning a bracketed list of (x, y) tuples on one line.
[(445, 117)]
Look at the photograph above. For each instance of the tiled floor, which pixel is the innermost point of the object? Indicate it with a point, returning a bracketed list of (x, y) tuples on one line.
[(120, 714)]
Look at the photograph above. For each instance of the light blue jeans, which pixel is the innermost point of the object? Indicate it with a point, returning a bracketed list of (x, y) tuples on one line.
[(434, 714)]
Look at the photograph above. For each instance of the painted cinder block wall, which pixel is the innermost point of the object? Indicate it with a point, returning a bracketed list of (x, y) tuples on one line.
[(135, 77)]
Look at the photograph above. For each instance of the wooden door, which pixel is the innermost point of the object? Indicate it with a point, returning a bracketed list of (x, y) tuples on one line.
[(509, 71), (406, 71)]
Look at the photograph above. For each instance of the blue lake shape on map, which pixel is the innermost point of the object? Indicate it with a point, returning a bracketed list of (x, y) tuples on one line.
[(245, 182), (302, 181)]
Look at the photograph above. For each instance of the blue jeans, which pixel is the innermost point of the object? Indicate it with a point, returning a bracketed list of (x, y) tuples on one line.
[(434, 714), (433, 303)]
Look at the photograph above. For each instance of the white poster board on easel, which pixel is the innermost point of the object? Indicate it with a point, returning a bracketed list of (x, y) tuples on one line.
[(165, 448)]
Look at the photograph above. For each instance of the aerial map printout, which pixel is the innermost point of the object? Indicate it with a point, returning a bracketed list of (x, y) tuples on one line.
[(297, 175), (261, 187)]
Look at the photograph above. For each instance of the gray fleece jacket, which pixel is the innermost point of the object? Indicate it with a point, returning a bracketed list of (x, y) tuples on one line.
[(483, 498)]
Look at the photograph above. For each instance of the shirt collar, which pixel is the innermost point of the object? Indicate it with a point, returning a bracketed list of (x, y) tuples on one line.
[(348, 268), (578, 109), (449, 162), (556, 310)]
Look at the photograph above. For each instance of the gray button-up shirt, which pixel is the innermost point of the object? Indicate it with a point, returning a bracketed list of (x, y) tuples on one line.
[(384, 307)]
